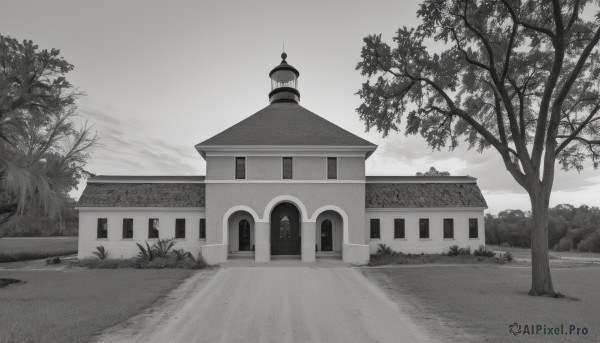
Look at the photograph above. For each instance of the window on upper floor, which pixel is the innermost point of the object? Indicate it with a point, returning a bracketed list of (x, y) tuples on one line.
[(399, 228), (179, 228), (202, 228), (102, 231), (473, 228), (153, 228), (287, 168), (332, 167), (127, 227), (423, 228), (448, 228), (240, 167), (375, 231)]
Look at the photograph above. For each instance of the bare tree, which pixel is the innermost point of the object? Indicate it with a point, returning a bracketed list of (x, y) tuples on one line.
[(520, 76)]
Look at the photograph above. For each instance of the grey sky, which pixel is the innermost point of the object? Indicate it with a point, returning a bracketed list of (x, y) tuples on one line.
[(163, 76)]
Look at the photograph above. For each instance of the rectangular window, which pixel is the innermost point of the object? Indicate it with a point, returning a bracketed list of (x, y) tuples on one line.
[(179, 228), (448, 228), (399, 228), (473, 228), (202, 228), (102, 228), (287, 167), (240, 167), (153, 228), (423, 228), (127, 228), (375, 229), (332, 167)]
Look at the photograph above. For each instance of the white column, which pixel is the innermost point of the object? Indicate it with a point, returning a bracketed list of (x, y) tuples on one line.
[(308, 241), (262, 244)]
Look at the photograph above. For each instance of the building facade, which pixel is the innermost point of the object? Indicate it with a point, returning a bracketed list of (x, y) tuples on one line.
[(283, 181)]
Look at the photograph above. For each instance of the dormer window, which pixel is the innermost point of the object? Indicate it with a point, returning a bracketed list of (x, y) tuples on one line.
[(240, 167)]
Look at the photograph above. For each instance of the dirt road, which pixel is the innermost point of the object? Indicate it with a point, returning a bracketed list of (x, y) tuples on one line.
[(275, 304)]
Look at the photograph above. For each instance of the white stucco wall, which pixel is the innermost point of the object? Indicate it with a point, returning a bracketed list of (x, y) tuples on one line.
[(118, 247), (436, 243)]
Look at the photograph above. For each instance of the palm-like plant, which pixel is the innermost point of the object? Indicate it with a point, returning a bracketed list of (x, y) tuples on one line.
[(100, 252), (162, 247), (146, 253), (180, 255)]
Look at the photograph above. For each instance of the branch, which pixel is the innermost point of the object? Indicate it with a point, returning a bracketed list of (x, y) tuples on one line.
[(574, 134)]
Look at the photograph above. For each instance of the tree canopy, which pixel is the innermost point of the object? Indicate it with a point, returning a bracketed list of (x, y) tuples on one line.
[(520, 76), (42, 149), (433, 172)]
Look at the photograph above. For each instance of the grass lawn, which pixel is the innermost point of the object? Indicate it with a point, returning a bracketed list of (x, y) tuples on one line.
[(73, 305), (28, 248), (526, 252), (477, 303)]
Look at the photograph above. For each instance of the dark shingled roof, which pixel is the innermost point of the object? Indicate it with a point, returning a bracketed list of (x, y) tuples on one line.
[(143, 195), (418, 195), (285, 123)]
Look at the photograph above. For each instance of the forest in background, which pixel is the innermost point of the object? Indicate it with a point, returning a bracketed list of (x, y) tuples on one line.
[(31, 225), (569, 228)]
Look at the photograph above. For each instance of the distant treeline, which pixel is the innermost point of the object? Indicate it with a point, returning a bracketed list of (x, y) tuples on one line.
[(569, 228), (31, 226)]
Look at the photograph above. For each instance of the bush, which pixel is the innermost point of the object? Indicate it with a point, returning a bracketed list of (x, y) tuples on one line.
[(180, 255), (53, 260), (384, 250), (453, 250), (156, 263), (101, 252), (146, 254), (508, 256), (464, 251), (483, 252), (591, 243)]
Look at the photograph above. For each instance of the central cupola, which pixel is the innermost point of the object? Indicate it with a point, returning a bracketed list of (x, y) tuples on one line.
[(284, 83)]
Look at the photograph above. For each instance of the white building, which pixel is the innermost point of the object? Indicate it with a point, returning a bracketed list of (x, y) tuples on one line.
[(283, 181)]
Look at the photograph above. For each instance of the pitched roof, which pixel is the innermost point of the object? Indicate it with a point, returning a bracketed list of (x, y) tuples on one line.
[(143, 195), (285, 123), (423, 195), (146, 179)]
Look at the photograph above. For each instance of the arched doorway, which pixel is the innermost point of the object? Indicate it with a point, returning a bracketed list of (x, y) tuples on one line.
[(285, 230), (244, 235), (326, 235)]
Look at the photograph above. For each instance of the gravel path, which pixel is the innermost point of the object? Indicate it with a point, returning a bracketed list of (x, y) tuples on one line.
[(273, 304)]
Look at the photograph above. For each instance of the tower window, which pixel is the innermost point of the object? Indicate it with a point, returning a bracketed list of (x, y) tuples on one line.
[(332, 167), (287, 168), (240, 167)]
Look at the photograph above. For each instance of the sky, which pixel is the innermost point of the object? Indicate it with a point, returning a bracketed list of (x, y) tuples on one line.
[(162, 76)]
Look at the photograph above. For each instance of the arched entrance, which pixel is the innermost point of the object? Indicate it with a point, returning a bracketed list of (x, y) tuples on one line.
[(285, 230), (240, 230), (329, 234)]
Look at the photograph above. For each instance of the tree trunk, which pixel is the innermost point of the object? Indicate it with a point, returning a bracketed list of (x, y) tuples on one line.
[(541, 282)]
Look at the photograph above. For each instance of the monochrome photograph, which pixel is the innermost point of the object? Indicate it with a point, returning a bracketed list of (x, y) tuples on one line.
[(314, 171)]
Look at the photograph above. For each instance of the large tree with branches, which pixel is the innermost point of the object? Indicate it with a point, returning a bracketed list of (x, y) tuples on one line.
[(519, 76), (42, 149)]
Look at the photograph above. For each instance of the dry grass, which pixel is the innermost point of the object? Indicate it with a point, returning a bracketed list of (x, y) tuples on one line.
[(74, 305), (478, 303), (20, 249)]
